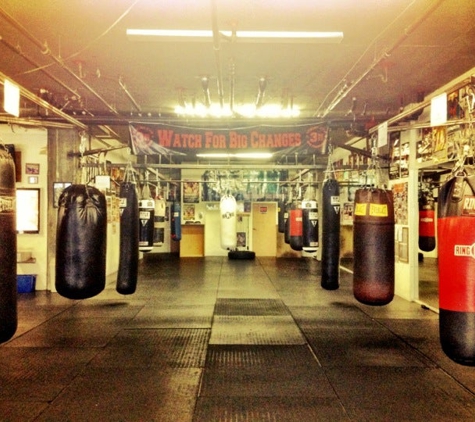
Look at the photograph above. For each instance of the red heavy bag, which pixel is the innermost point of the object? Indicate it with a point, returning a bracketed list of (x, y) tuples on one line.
[(129, 239), (456, 256), (330, 235), (373, 246), (426, 223), (295, 227), (8, 283), (81, 242)]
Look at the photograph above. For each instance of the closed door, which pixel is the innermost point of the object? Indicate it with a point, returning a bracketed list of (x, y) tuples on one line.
[(264, 228)]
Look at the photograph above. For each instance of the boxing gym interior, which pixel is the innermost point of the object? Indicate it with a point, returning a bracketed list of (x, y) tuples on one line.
[(237, 210)]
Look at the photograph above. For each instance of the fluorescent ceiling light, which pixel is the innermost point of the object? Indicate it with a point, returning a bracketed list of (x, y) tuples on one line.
[(250, 36), (11, 98), (254, 155)]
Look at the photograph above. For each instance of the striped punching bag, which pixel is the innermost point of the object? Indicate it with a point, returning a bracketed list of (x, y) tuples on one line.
[(8, 248), (227, 209), (81, 242), (309, 226), (456, 260), (129, 239), (373, 246), (330, 235)]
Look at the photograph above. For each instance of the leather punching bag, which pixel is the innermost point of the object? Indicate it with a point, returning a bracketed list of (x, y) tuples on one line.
[(281, 216), (295, 227), (175, 229), (426, 223), (330, 235), (309, 226), (159, 222), (287, 223), (456, 257), (129, 239), (373, 246), (8, 250), (81, 242)]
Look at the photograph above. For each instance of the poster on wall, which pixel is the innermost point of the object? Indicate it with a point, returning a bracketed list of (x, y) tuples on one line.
[(191, 192), (400, 202)]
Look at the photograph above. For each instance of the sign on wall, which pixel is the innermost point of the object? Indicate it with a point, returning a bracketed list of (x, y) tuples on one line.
[(149, 139)]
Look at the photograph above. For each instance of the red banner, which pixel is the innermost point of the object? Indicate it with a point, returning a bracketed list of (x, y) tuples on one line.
[(149, 139)]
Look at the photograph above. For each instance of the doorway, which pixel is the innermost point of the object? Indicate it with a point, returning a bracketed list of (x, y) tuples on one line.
[(264, 228)]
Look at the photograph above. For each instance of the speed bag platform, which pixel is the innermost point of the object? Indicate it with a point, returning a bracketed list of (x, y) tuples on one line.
[(241, 255), (456, 261)]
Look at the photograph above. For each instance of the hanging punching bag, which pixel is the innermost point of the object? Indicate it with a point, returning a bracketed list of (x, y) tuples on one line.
[(176, 222), (287, 223), (159, 222), (295, 227), (309, 226), (330, 235), (456, 260), (81, 242), (8, 249), (129, 239), (146, 216), (426, 223), (281, 216), (227, 210), (373, 246)]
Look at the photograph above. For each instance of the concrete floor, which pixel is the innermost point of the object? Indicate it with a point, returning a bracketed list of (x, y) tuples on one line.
[(209, 339)]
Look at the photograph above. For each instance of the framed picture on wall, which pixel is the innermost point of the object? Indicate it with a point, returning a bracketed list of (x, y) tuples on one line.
[(32, 168)]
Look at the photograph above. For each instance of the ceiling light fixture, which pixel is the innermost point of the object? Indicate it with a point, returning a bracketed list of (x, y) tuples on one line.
[(249, 36)]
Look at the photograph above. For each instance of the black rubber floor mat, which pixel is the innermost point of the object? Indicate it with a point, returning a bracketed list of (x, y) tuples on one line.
[(258, 307)]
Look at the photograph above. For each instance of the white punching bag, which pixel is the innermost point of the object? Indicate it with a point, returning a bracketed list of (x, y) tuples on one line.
[(228, 209)]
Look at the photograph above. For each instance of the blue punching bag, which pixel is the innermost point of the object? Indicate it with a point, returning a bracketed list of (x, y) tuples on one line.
[(176, 221)]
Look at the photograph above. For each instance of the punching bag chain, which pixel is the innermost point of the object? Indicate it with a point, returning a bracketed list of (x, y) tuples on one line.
[(330, 168)]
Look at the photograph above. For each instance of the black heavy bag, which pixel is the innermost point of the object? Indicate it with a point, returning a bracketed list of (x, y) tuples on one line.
[(309, 226), (146, 217), (8, 283), (330, 235), (426, 223), (373, 246), (281, 216), (129, 239), (456, 256), (295, 227), (287, 223), (81, 240), (175, 229)]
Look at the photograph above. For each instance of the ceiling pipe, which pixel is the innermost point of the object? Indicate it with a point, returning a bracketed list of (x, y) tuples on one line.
[(217, 51), (18, 51), (129, 95), (44, 48), (261, 92), (408, 31), (205, 87), (37, 100), (232, 85)]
